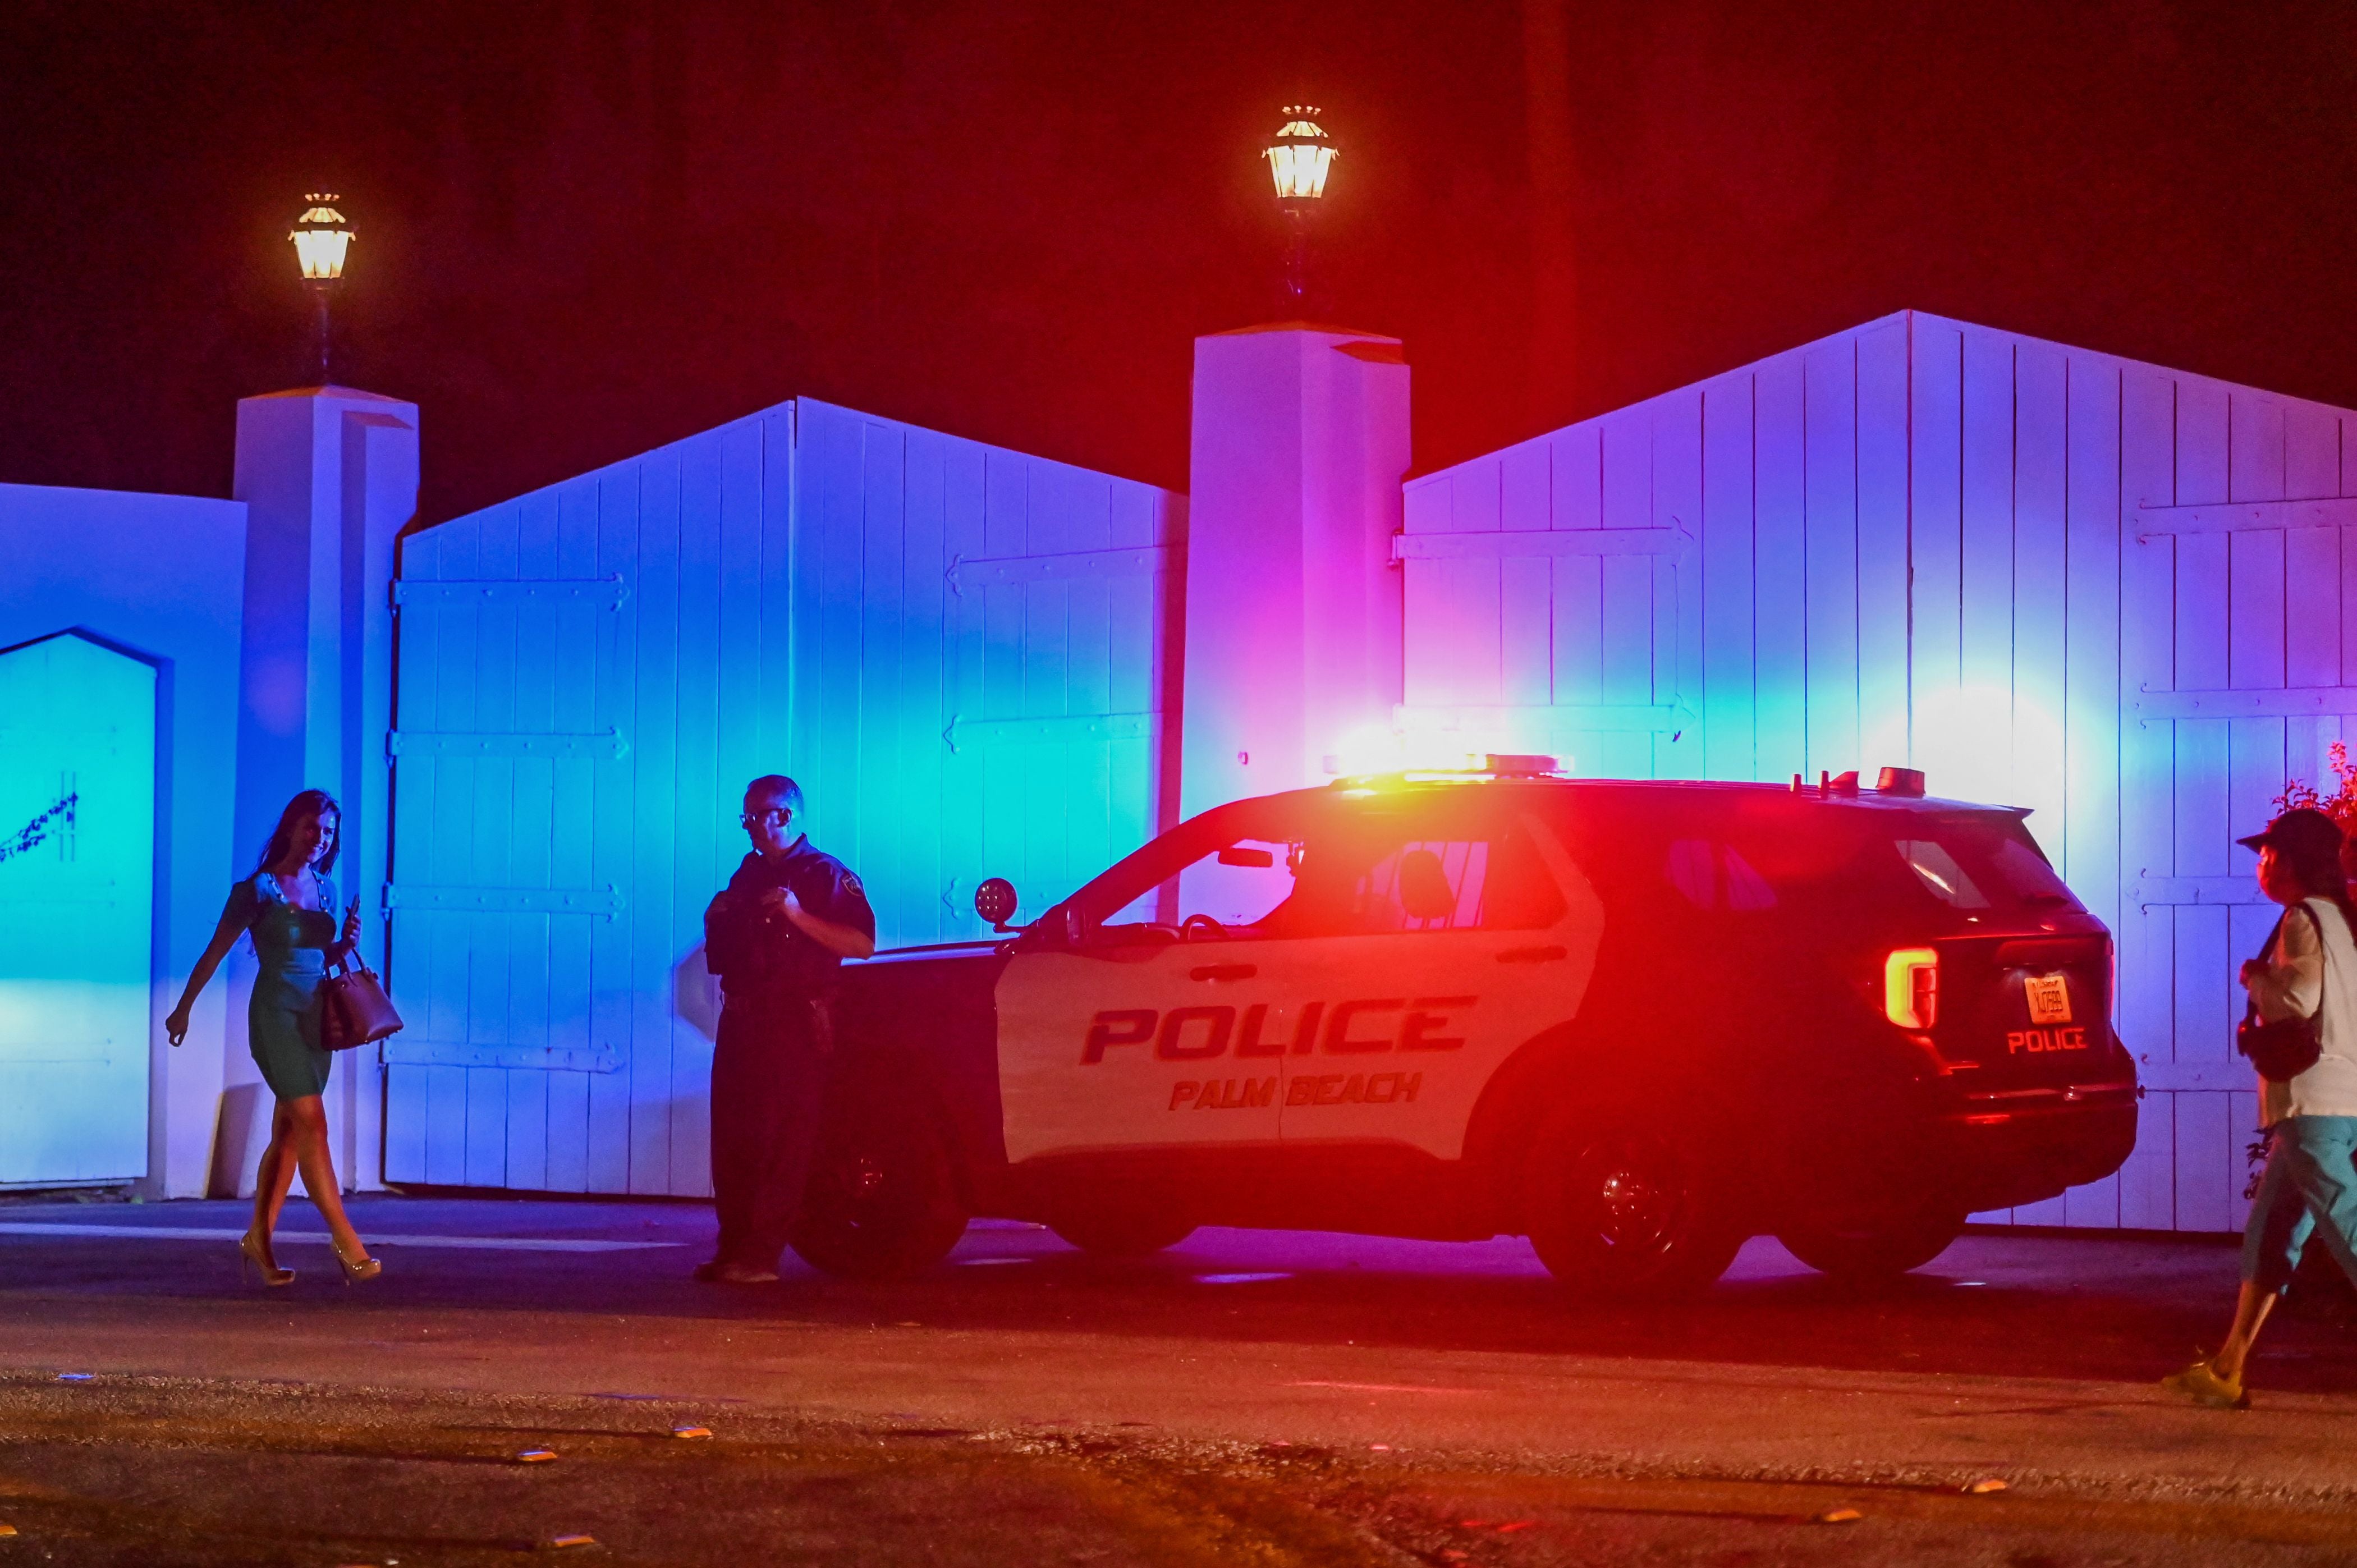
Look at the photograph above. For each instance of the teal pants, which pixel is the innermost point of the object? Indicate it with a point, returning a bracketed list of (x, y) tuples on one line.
[(2309, 1183)]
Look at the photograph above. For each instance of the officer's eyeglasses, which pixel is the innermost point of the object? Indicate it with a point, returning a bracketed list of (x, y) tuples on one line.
[(777, 814)]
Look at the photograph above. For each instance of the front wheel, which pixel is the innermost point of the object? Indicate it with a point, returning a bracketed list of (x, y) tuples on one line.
[(1625, 1209), (881, 1201), (1879, 1250)]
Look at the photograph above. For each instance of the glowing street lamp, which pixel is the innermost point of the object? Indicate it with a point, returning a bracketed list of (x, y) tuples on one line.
[(1299, 156), (321, 238)]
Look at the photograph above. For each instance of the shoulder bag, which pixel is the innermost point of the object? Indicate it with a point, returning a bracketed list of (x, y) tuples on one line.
[(2283, 1049), (353, 1008)]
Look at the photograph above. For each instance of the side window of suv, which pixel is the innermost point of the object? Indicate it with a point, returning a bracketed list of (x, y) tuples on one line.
[(1266, 870), (1233, 867), (1712, 875), (1374, 882)]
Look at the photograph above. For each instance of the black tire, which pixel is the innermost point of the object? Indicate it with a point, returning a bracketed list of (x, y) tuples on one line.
[(1121, 1234), (1872, 1249), (882, 1202), (1623, 1207)]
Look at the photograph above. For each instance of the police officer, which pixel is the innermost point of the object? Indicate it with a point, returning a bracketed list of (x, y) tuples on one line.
[(774, 936)]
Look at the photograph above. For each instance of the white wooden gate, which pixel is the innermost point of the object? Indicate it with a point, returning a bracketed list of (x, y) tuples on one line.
[(952, 648), (1553, 596), (2050, 577), (2235, 583)]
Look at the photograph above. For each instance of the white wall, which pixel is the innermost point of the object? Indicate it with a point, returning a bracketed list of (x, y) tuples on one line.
[(1299, 439), (159, 577), (329, 478)]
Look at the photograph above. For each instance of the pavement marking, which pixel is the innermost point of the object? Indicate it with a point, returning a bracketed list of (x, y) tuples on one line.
[(202, 1234), (1383, 1387)]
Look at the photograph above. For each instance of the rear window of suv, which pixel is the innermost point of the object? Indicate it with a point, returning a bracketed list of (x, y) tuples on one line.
[(1951, 870), (1981, 861)]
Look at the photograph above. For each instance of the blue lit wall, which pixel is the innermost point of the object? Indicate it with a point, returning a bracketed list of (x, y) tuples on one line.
[(957, 651), (158, 579)]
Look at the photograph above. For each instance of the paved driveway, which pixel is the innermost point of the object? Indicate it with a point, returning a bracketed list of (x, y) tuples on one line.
[(1350, 1399)]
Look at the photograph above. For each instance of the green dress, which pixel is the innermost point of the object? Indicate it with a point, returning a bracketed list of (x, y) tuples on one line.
[(282, 1021)]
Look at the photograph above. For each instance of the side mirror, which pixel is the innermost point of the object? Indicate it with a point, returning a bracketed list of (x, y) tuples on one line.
[(995, 901)]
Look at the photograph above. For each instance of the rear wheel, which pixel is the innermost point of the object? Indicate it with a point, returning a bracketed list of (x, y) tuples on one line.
[(1872, 1249), (881, 1201), (1623, 1208), (1121, 1234)]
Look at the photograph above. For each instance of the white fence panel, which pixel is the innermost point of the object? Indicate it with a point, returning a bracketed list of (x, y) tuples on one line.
[(2115, 594), (957, 652)]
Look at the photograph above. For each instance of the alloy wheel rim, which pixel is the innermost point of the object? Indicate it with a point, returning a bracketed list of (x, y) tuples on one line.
[(1634, 1195)]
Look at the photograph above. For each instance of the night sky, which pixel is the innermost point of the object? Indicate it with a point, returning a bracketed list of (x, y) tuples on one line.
[(585, 230)]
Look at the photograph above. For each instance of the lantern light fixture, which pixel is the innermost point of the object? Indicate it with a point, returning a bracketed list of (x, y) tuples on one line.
[(1300, 154), (1299, 158), (321, 238)]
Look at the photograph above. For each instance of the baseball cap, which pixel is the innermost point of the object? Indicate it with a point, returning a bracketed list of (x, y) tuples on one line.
[(2303, 828)]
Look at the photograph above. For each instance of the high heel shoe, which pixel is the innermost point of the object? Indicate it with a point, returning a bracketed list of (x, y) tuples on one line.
[(355, 1269), (255, 1254)]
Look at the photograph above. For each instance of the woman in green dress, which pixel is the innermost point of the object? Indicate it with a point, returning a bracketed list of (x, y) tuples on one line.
[(288, 905)]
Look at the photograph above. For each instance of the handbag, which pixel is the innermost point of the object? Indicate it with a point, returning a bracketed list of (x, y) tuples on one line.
[(2286, 1047), (353, 1008)]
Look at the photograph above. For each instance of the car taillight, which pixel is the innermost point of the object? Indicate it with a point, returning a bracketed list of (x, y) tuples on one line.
[(1910, 988)]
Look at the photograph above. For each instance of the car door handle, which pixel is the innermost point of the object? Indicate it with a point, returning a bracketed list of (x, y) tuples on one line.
[(1224, 972), (1531, 955)]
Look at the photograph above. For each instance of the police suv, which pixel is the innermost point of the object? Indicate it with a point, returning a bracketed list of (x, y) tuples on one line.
[(1636, 1022)]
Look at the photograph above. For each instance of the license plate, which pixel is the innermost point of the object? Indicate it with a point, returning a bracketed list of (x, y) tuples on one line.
[(2049, 998)]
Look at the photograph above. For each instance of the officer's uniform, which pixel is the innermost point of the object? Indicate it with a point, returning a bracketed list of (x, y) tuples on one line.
[(769, 1067)]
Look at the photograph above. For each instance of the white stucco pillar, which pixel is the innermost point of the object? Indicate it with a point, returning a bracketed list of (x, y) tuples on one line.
[(329, 478), (1293, 604)]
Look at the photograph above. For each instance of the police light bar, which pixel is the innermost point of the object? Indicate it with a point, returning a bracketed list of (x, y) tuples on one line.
[(1467, 764)]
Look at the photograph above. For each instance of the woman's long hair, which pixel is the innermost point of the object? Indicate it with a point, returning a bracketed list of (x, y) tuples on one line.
[(282, 837)]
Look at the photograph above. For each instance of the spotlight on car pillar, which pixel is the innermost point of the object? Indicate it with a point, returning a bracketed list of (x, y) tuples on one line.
[(994, 900)]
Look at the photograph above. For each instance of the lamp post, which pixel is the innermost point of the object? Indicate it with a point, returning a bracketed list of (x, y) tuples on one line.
[(1298, 157), (321, 238)]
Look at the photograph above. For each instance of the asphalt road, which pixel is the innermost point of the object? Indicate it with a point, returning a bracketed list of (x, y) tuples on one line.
[(1277, 1398)]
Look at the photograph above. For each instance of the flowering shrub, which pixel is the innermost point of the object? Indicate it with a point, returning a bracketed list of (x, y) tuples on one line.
[(2340, 805)]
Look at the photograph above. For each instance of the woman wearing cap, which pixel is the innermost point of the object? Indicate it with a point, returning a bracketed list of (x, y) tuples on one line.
[(2309, 970)]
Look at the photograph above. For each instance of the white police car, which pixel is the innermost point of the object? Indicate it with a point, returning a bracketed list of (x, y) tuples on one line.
[(1636, 1022)]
